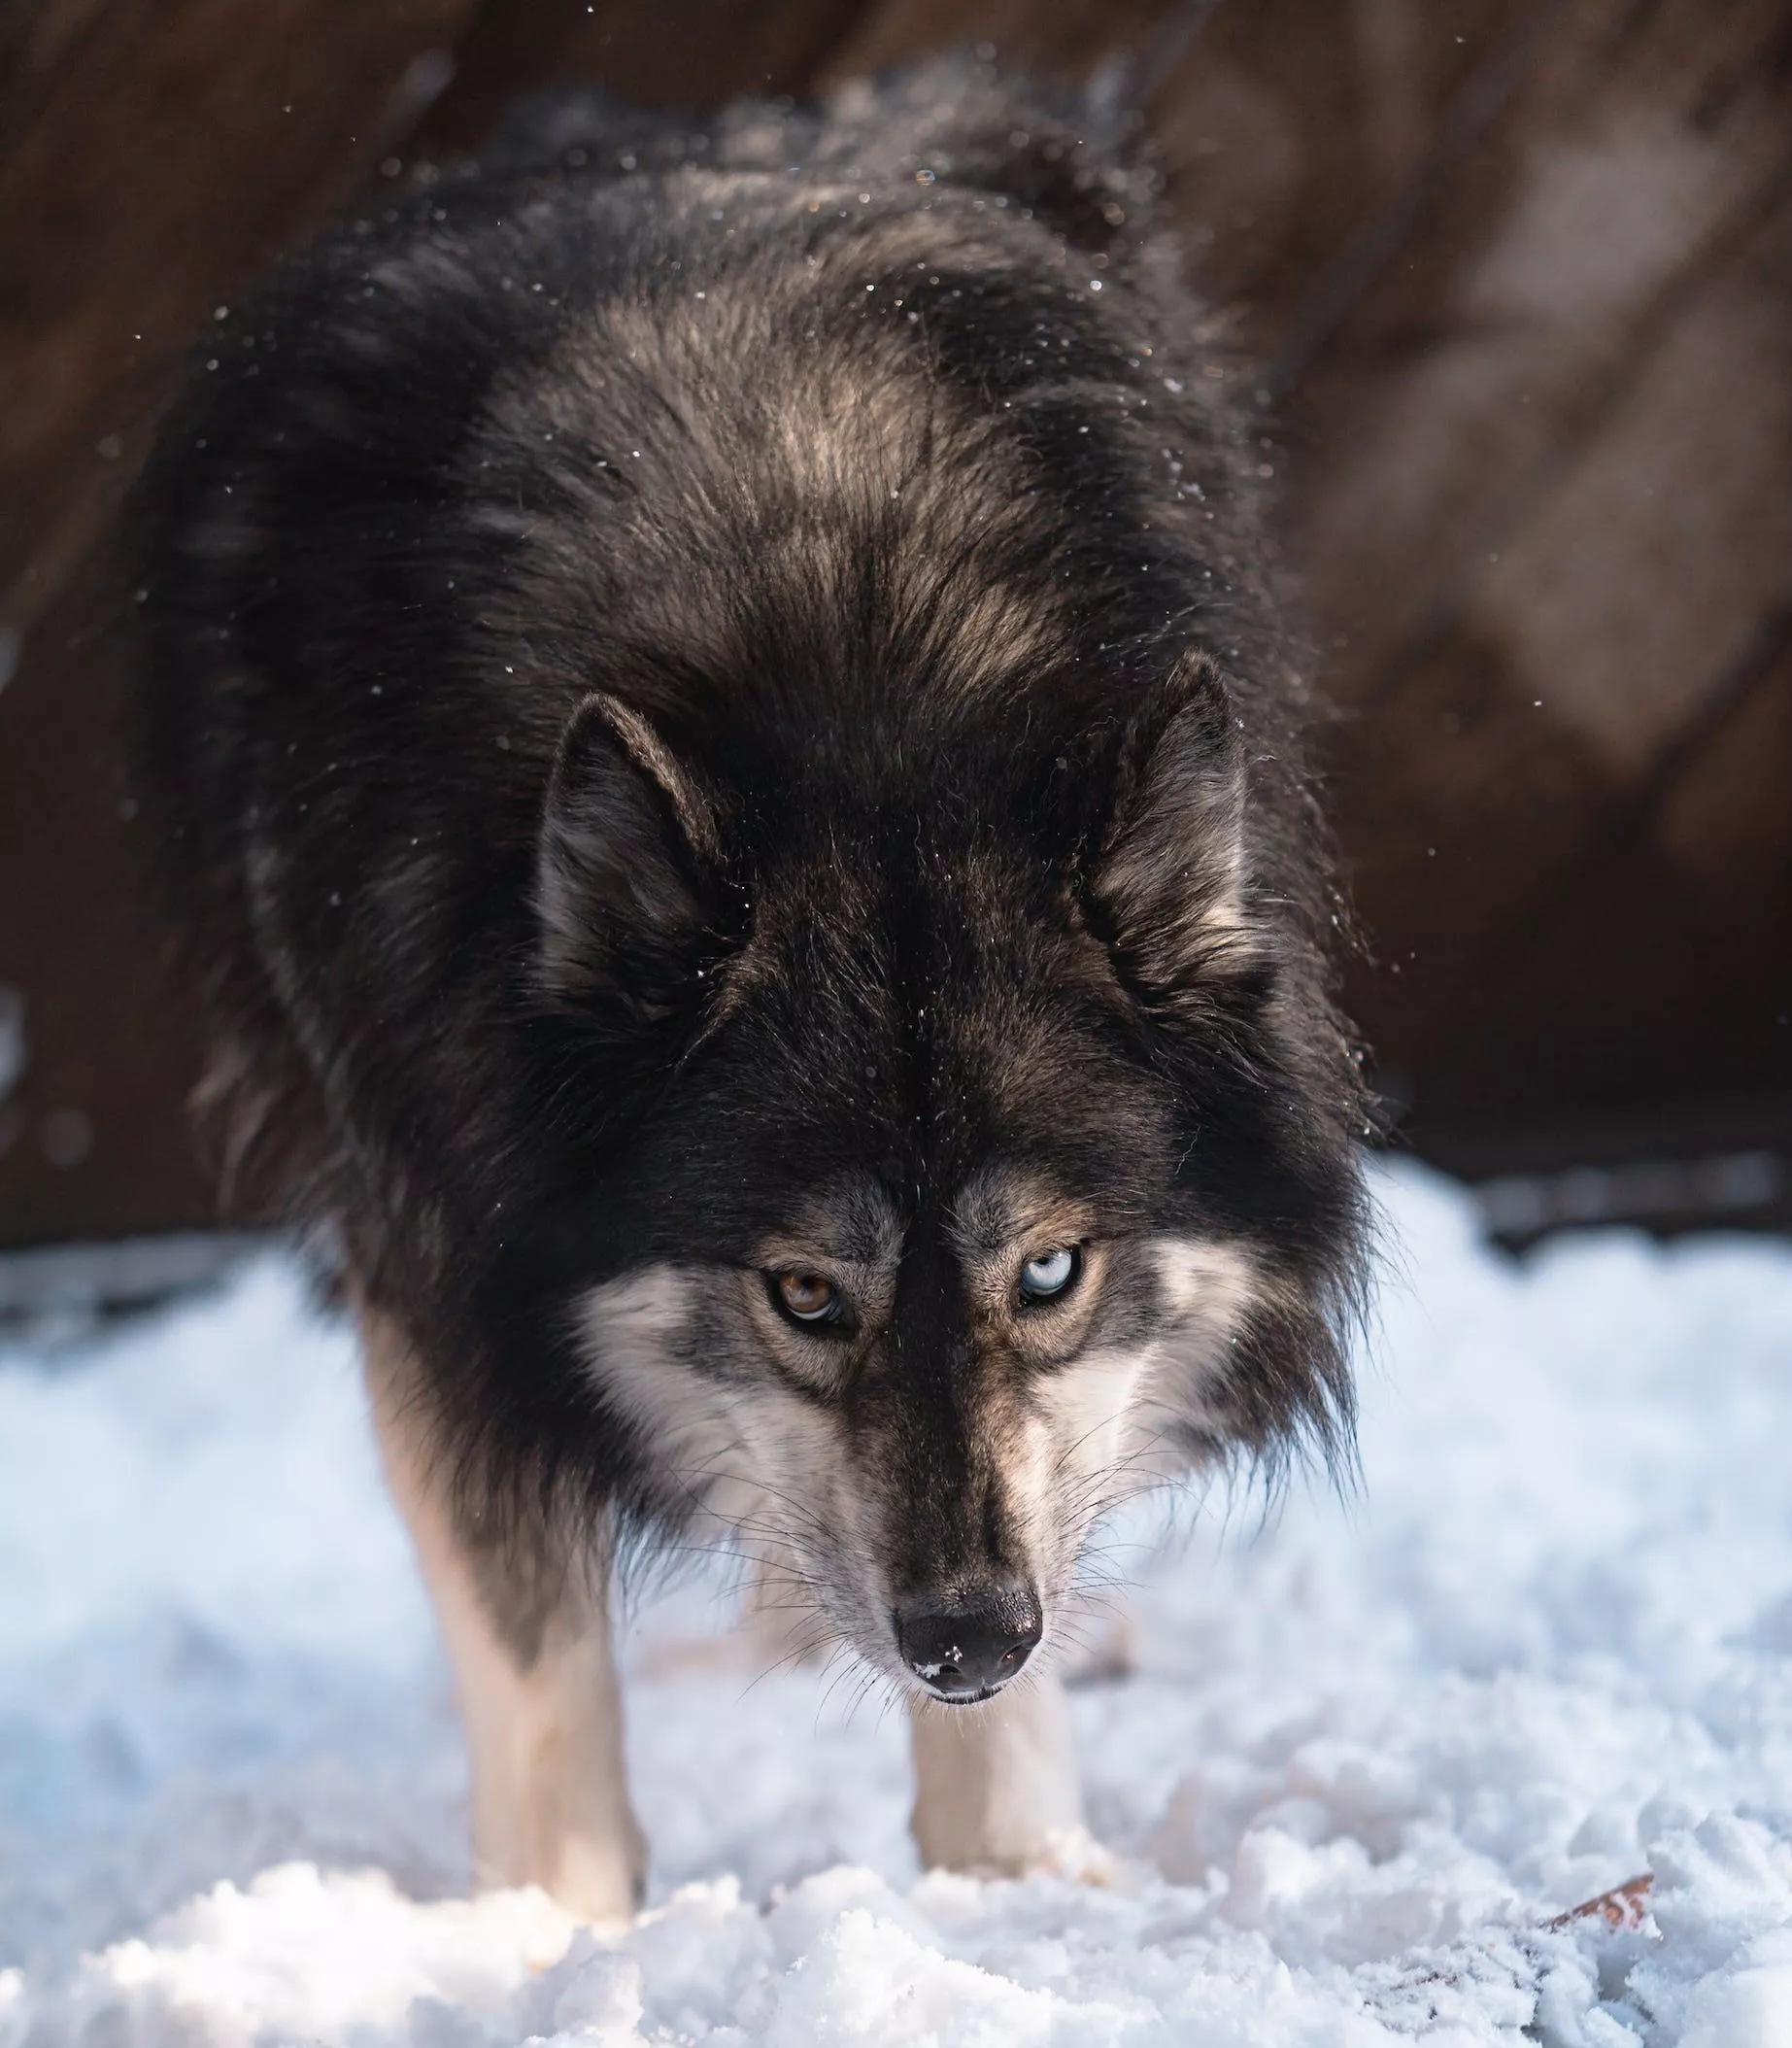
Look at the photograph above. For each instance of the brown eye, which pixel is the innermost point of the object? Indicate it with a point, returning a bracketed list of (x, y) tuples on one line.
[(807, 1298)]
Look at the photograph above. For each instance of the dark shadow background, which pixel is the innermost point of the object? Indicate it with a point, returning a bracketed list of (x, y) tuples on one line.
[(1519, 276)]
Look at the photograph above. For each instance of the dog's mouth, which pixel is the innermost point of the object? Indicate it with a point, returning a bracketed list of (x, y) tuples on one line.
[(954, 1686)]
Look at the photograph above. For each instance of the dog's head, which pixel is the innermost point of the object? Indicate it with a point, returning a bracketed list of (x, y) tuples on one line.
[(988, 1152)]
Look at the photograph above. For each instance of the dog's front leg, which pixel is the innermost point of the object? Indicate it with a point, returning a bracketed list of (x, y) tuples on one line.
[(995, 1785), (527, 1632)]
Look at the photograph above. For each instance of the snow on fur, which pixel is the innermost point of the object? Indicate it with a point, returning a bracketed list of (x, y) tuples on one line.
[(1367, 1751)]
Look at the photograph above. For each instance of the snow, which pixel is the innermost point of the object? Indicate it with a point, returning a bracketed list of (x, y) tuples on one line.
[(1369, 1748)]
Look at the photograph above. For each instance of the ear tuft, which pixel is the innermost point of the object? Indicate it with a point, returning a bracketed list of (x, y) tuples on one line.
[(625, 860), (1166, 888)]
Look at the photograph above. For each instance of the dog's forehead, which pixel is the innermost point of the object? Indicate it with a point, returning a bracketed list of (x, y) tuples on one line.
[(962, 950), (1007, 1202), (919, 1023), (858, 1220), (853, 1217)]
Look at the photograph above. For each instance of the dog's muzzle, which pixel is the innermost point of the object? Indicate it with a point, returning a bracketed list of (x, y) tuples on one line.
[(965, 1648)]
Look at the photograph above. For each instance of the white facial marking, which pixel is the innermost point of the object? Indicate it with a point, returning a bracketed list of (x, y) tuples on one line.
[(1113, 1420), (751, 1456), (627, 1332), (1209, 1288), (776, 1468)]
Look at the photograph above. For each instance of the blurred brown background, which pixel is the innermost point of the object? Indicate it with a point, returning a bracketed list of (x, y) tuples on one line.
[(1519, 276)]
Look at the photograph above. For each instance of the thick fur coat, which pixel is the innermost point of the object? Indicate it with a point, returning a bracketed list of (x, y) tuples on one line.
[(720, 729)]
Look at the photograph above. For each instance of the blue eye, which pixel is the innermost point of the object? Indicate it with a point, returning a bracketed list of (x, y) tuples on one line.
[(1050, 1273)]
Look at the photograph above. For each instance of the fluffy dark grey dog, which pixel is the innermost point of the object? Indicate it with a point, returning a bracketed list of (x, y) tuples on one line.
[(727, 768)]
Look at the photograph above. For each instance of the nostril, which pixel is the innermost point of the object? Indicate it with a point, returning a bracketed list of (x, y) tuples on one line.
[(966, 1647)]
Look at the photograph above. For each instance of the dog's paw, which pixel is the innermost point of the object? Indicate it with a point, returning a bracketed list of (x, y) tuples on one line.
[(1069, 1853)]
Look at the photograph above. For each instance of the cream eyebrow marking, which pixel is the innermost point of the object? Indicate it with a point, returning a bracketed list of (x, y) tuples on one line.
[(852, 1224), (1002, 1210)]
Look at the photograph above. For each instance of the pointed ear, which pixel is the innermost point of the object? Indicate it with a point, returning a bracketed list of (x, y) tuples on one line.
[(1166, 886), (625, 864)]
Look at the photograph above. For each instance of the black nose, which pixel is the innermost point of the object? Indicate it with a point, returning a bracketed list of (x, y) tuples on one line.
[(966, 1648)]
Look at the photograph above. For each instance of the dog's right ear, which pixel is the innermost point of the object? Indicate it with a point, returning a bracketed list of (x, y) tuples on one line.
[(626, 863), (1167, 882)]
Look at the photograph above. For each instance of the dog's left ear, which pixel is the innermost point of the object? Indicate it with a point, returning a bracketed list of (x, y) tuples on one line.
[(626, 863), (1165, 887)]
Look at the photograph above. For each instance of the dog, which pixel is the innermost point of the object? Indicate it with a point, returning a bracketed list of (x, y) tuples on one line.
[(726, 757)]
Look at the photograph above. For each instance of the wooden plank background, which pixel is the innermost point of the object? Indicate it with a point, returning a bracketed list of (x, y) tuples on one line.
[(1518, 274)]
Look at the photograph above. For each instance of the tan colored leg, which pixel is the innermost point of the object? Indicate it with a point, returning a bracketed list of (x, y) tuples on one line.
[(995, 1785), (534, 1674)]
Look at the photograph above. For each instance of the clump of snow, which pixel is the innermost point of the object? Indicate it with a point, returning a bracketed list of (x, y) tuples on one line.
[(1367, 1754)]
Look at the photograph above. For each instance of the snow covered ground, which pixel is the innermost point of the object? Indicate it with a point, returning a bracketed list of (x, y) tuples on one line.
[(1367, 1751)]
